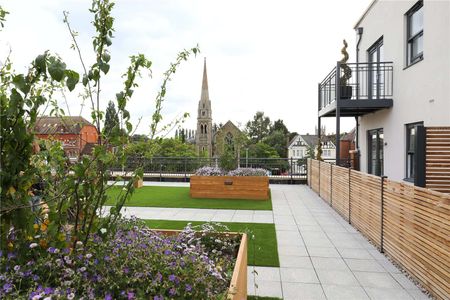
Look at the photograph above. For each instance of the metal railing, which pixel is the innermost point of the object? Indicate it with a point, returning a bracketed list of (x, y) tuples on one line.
[(368, 81), (183, 167)]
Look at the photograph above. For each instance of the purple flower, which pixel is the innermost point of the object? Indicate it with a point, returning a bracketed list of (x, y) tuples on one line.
[(188, 288), (172, 277), (7, 287), (16, 268), (108, 297), (158, 297), (130, 296), (167, 252), (48, 291), (126, 270), (172, 291)]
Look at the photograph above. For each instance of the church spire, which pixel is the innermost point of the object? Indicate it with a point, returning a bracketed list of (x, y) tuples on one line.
[(205, 92)]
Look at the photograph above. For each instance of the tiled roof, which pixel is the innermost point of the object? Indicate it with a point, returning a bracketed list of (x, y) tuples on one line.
[(58, 125), (349, 136)]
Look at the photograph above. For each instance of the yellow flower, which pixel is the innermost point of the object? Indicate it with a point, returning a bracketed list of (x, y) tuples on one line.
[(46, 221), (10, 245), (43, 227), (29, 237), (62, 237), (36, 227)]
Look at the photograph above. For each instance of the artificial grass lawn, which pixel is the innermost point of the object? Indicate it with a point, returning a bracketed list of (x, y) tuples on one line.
[(160, 196), (262, 251)]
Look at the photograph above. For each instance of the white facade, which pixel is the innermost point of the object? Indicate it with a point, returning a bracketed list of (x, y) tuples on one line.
[(298, 148), (421, 91)]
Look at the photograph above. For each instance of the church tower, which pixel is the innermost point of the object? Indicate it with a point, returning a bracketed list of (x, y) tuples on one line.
[(203, 138)]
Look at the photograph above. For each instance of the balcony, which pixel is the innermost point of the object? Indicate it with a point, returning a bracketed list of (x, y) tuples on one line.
[(369, 89)]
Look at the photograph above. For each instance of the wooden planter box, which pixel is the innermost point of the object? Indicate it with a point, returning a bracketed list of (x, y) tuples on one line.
[(230, 187), (238, 285)]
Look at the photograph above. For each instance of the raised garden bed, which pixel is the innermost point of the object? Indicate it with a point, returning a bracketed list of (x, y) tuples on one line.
[(238, 285), (230, 187)]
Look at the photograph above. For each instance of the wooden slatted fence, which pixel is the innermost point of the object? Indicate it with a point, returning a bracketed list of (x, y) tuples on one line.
[(416, 234), (410, 224), (365, 204), (308, 171), (325, 181), (315, 169), (437, 159), (340, 191)]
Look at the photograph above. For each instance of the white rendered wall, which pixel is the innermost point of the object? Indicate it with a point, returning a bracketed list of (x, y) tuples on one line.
[(421, 91)]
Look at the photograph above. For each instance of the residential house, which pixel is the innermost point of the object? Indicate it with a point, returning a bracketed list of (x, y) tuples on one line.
[(298, 149), (398, 91), (76, 134)]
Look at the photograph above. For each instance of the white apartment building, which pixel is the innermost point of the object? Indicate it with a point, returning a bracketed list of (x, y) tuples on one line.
[(400, 85)]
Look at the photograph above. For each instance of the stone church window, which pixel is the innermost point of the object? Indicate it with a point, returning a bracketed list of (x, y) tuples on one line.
[(206, 128), (203, 113), (229, 143)]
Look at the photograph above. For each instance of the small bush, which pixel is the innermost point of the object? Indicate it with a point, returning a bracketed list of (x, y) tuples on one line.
[(248, 172), (212, 171)]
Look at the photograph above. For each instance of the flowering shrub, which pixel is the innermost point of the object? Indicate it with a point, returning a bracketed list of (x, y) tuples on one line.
[(136, 263), (248, 172), (212, 171)]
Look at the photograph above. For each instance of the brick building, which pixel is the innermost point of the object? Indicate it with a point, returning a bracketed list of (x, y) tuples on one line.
[(76, 134)]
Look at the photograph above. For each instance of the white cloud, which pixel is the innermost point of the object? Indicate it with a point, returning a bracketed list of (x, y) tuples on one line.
[(261, 55)]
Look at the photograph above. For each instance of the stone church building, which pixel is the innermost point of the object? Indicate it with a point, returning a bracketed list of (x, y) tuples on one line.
[(209, 140)]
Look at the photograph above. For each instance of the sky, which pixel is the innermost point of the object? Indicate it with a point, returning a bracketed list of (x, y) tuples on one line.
[(261, 55)]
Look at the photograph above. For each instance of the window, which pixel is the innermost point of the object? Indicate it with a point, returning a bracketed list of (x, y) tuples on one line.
[(375, 145), (411, 142), (414, 31), (229, 141)]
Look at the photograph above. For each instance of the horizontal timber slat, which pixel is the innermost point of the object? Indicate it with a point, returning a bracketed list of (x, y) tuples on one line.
[(437, 158), (230, 187)]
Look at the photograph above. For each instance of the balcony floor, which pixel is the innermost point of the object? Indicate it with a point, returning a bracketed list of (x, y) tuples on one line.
[(355, 108)]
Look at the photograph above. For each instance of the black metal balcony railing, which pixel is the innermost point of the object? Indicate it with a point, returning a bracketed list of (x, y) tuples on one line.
[(368, 81)]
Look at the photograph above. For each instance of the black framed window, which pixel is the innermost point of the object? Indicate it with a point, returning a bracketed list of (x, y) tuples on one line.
[(414, 23), (411, 142), (375, 143)]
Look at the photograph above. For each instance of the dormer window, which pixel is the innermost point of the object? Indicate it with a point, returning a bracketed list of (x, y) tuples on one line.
[(203, 113)]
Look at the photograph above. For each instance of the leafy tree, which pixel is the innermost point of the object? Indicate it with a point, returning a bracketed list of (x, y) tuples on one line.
[(111, 120), (292, 135), (227, 160), (310, 152), (258, 128), (278, 125), (182, 135), (278, 140), (262, 150)]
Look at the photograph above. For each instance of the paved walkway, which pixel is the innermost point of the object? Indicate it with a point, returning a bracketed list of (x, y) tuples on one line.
[(197, 214), (321, 255)]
